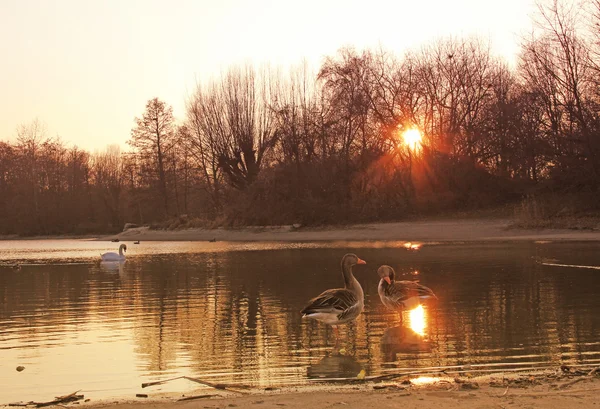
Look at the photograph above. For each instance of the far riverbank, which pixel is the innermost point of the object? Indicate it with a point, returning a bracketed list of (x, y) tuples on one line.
[(438, 230)]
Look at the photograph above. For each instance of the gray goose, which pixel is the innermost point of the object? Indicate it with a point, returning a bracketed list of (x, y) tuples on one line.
[(399, 295), (338, 305)]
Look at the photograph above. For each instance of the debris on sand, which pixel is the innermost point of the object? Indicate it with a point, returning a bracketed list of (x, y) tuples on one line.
[(72, 397)]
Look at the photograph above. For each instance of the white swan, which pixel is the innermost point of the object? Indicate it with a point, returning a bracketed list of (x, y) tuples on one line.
[(112, 256)]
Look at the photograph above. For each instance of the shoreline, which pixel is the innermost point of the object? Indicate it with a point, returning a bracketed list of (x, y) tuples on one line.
[(445, 230), (550, 389), (436, 230)]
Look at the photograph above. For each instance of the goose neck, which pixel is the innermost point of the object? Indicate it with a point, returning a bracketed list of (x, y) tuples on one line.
[(350, 282)]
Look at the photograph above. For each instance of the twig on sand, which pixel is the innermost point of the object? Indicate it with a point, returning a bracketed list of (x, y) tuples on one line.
[(213, 385), (200, 381), (505, 392), (196, 397), (145, 385), (567, 384)]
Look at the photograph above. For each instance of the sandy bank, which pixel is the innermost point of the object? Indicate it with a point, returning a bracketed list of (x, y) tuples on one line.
[(449, 230), (500, 392)]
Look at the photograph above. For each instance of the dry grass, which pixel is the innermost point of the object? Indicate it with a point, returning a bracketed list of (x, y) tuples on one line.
[(183, 222), (557, 212)]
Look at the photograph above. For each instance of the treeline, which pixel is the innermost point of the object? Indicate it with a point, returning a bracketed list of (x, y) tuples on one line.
[(259, 146)]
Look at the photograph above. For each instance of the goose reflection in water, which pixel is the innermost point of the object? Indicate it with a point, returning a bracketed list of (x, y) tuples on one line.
[(401, 339), (335, 366)]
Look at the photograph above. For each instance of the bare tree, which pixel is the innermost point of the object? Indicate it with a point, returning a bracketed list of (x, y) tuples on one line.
[(8, 177), (250, 121), (154, 136), (30, 138), (233, 125), (344, 85), (556, 62), (456, 76), (109, 179), (205, 129)]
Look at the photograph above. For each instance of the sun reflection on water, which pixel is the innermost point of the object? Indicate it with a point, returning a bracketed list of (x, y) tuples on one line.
[(417, 320), (425, 380), (412, 246)]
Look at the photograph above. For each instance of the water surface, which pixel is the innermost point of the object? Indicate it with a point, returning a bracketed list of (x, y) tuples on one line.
[(229, 312)]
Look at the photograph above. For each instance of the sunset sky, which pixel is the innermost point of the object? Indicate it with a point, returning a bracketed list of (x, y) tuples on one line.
[(87, 67)]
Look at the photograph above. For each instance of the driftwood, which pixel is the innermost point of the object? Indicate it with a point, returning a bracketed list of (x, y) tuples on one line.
[(145, 385), (570, 383), (72, 397), (220, 386), (196, 397)]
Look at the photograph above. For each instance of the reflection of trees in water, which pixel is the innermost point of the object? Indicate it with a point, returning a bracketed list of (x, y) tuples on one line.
[(222, 315), (520, 309), (227, 324)]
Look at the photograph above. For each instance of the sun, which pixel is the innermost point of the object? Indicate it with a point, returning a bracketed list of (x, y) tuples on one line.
[(412, 138)]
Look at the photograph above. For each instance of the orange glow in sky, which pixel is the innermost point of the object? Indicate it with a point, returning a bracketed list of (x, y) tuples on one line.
[(87, 68)]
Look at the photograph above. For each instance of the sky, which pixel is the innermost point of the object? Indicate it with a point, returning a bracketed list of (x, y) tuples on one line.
[(86, 68)]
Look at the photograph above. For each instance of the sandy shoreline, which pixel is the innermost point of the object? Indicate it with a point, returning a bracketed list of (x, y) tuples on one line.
[(450, 230), (443, 231), (553, 391)]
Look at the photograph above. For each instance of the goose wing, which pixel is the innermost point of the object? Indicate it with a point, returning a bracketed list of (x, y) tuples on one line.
[(414, 289), (338, 301), (399, 292)]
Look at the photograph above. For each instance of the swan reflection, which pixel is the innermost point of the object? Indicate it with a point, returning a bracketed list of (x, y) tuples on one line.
[(113, 266)]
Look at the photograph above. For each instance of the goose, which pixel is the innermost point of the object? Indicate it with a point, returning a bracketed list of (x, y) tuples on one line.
[(112, 256), (338, 305), (401, 295)]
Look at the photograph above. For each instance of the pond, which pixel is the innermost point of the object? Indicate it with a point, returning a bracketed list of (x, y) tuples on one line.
[(229, 313)]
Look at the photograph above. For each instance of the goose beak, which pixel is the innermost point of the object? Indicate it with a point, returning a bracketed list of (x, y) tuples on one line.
[(361, 261), (387, 280)]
